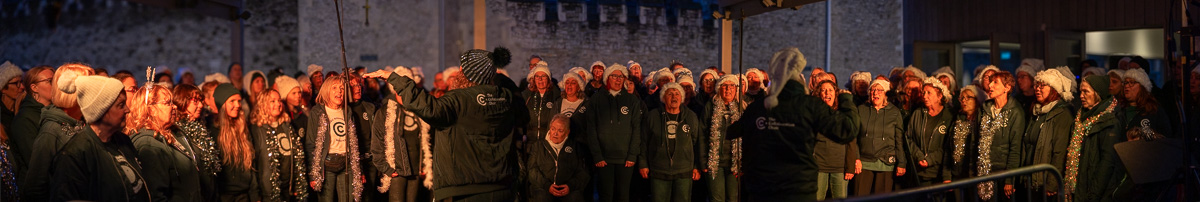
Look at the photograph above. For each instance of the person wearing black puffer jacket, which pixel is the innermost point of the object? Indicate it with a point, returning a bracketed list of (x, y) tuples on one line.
[(478, 114), (778, 134)]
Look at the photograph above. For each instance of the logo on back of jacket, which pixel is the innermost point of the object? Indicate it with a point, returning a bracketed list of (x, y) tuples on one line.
[(769, 123), (487, 99)]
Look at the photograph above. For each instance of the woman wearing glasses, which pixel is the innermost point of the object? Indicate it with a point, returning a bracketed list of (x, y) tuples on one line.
[(168, 163)]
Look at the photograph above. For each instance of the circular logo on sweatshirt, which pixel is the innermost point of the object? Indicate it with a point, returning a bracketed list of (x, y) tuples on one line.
[(941, 129), (549, 105), (624, 110), (1145, 123), (568, 149), (480, 99), (339, 128), (582, 109), (761, 122), (687, 128)]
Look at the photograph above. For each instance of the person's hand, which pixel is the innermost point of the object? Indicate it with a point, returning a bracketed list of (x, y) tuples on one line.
[(645, 172), (601, 164), (378, 74), (1008, 190), (564, 189), (857, 166), (395, 174), (312, 184), (362, 179), (737, 175), (899, 171), (1051, 193), (556, 191), (628, 164), (695, 174), (923, 163), (849, 176)]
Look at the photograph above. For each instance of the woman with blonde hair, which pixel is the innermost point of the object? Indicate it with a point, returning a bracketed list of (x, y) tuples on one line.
[(334, 169), (236, 180), (280, 158), (60, 120), (190, 124), (167, 166)]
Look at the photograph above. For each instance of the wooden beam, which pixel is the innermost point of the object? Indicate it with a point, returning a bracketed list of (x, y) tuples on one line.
[(480, 25), (726, 45)]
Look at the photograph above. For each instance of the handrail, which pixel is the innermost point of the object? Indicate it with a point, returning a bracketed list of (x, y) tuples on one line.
[(966, 183)]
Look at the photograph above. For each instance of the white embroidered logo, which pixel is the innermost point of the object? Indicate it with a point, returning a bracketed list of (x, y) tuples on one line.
[(568, 149), (761, 122), (549, 105), (941, 129), (687, 128), (624, 110), (1145, 123)]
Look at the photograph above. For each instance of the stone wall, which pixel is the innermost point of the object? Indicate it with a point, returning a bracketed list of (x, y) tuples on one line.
[(428, 33), (118, 35)]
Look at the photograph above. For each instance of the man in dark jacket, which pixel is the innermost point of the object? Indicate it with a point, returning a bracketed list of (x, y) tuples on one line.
[(779, 134), (1003, 122), (614, 119), (672, 143), (475, 159), (556, 168)]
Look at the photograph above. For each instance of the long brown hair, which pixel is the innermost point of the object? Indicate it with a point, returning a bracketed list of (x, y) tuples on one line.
[(141, 111), (235, 145), (184, 94), (262, 115), (1146, 103)]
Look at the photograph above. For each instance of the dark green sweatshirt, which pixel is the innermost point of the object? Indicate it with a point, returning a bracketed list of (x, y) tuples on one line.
[(169, 169), (88, 169), (57, 129), (614, 127), (672, 143)]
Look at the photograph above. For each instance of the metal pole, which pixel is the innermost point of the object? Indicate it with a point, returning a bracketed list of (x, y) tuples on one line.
[(828, 33)]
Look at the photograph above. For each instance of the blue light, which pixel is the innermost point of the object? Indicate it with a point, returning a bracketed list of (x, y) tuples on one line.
[(1005, 55)]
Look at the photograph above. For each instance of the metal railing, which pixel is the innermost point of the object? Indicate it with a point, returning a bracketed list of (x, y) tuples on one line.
[(970, 183)]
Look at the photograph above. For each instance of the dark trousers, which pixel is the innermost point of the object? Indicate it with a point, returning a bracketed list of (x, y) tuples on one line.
[(676, 190), (404, 189), (543, 194), (614, 182), (336, 188), (499, 195), (873, 182)]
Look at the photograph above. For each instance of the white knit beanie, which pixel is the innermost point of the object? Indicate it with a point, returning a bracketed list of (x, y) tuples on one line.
[(1093, 71), (1139, 75), (1061, 84), (96, 94), (980, 96), (938, 84), (249, 77), (686, 78), (615, 67), (662, 73), (1027, 70), (285, 84), (586, 75), (663, 96), (8, 71), (762, 75), (219, 77), (568, 76), (887, 85), (540, 67), (314, 68), (1034, 63), (860, 76), (944, 70), (682, 71), (979, 78), (916, 72)]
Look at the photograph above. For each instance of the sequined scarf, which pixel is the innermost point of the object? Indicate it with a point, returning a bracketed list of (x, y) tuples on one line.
[(274, 147), (962, 131), (317, 173), (8, 177), (991, 123), (1076, 146), (715, 136), (208, 157)]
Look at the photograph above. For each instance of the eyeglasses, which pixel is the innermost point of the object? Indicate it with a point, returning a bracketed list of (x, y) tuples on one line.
[(43, 80), (617, 76)]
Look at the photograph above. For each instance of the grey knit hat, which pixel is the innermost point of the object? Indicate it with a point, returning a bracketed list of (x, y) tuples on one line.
[(222, 94), (96, 94), (477, 66)]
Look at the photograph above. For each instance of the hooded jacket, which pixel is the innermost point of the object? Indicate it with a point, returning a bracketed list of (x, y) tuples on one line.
[(57, 128), (1046, 141), (1007, 126), (208, 157), (89, 169), (671, 144), (1100, 171), (717, 150), (317, 145), (882, 133), (475, 136), (170, 170), (779, 141)]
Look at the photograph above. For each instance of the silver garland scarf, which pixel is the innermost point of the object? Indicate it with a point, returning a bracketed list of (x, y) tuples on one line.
[(991, 123), (724, 113)]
